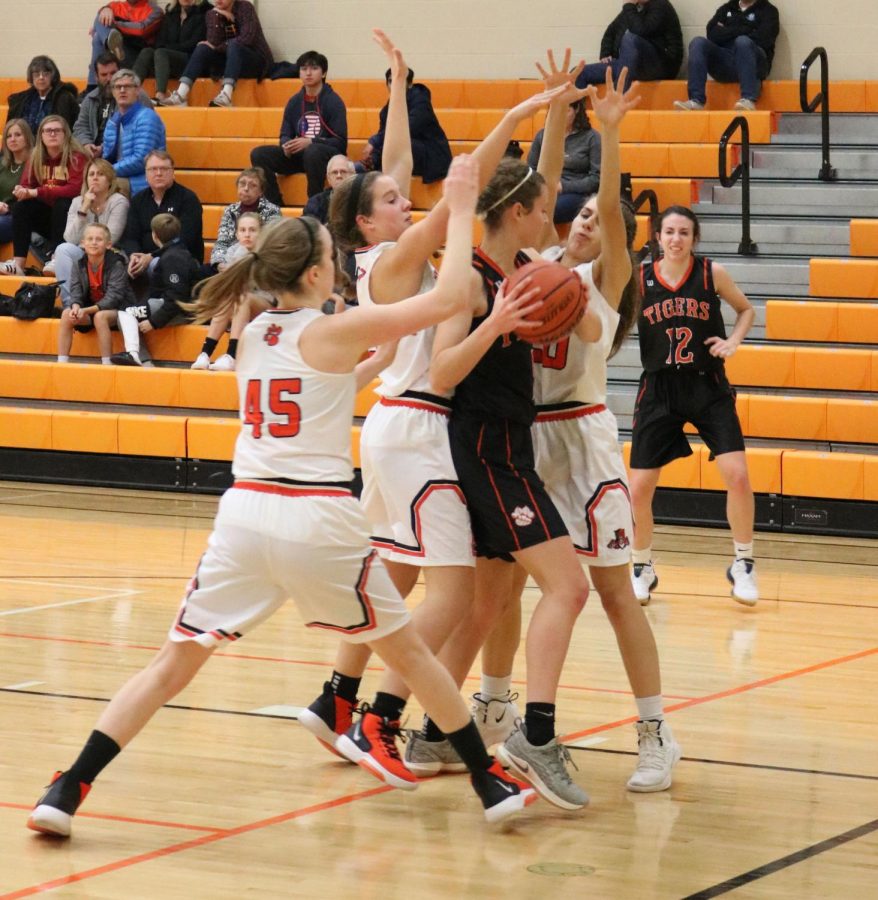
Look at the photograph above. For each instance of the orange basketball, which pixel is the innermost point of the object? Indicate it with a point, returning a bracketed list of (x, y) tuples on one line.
[(564, 299)]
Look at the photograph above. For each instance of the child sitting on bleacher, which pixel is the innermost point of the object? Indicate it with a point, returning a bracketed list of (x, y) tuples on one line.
[(246, 232), (99, 286), (171, 280)]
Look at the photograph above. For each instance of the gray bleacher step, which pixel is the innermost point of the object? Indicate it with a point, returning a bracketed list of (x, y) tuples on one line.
[(805, 162), (776, 236), (847, 128), (788, 197)]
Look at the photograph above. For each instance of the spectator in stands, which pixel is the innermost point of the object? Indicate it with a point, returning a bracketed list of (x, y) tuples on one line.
[(581, 174), (170, 281), (100, 201), (46, 95), (739, 47), (313, 130), (124, 27), (646, 37), (337, 169), (97, 106), (162, 194), (52, 178), (235, 44), (251, 199), (183, 28), (247, 231), (15, 150), (430, 150), (132, 132), (99, 286)]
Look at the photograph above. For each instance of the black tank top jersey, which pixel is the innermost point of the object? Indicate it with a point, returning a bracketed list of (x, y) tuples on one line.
[(500, 386), (675, 322)]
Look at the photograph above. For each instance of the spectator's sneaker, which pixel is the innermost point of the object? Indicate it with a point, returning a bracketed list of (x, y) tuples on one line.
[(202, 361), (173, 99), (500, 793), (54, 810), (644, 581), (222, 99), (745, 104), (657, 754), (125, 359), (225, 363), (427, 758), (49, 267), (371, 743), (115, 44), (10, 267), (544, 767), (742, 576), (495, 719), (688, 104), (328, 717)]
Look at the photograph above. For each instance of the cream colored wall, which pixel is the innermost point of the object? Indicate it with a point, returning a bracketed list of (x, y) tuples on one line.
[(457, 38)]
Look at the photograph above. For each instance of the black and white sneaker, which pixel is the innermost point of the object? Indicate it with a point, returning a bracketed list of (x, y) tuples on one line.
[(54, 810), (500, 793), (125, 359)]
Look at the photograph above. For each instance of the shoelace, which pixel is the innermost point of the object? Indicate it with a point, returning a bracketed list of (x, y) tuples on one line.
[(387, 733), (651, 750), (558, 763)]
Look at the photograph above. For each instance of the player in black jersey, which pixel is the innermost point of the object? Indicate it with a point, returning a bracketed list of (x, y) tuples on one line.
[(513, 519), (683, 346)]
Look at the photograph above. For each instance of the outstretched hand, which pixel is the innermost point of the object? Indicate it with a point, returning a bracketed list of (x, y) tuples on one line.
[(398, 66), (553, 75), (461, 185), (616, 102)]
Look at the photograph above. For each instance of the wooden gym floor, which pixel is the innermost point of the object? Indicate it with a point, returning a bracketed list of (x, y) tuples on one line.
[(224, 796)]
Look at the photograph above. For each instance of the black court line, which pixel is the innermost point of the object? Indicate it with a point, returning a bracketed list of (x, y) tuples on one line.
[(785, 862), (738, 765), (207, 709)]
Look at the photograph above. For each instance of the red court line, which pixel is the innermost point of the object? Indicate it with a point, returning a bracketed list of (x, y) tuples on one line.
[(731, 692), (190, 844), (128, 819)]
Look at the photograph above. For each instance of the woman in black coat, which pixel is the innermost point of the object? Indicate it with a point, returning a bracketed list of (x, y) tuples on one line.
[(47, 95)]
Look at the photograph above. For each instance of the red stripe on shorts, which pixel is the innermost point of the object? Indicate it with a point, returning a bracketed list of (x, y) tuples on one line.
[(559, 415), (285, 490)]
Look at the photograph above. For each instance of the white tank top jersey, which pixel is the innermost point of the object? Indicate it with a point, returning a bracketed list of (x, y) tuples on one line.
[(573, 371), (410, 370), (295, 421)]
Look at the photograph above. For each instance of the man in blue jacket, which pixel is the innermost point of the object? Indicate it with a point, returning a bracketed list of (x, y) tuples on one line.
[(313, 130), (132, 131), (739, 47)]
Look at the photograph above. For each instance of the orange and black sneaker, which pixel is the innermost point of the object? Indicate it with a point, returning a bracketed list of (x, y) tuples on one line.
[(500, 793), (371, 743), (54, 810), (328, 717)]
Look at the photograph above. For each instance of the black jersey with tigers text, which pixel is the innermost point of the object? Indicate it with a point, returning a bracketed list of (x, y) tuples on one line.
[(675, 322), (500, 385)]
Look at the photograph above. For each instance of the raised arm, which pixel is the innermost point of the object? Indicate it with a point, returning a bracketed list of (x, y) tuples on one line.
[(396, 157), (612, 269)]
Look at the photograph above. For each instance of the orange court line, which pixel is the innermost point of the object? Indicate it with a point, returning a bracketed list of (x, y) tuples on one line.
[(90, 815), (190, 844), (730, 692)]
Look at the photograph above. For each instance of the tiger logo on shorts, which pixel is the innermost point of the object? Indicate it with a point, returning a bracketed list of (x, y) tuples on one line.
[(620, 540), (522, 516)]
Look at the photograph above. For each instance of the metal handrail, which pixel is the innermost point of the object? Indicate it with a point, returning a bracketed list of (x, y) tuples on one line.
[(742, 173), (648, 198), (826, 173)]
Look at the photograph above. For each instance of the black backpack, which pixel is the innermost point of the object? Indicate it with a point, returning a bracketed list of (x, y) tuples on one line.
[(35, 301)]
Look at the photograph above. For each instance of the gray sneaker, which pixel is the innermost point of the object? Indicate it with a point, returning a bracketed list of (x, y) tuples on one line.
[(544, 767), (427, 758), (688, 105)]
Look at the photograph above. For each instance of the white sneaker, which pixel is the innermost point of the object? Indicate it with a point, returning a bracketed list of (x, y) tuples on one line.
[(225, 363), (742, 576), (201, 362), (495, 719), (49, 267), (746, 104), (657, 754), (222, 99), (644, 580), (173, 99), (688, 104)]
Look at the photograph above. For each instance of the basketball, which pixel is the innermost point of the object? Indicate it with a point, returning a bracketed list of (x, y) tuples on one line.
[(564, 298)]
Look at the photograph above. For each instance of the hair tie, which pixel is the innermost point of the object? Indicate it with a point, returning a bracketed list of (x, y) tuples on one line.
[(255, 255), (509, 193), (354, 202)]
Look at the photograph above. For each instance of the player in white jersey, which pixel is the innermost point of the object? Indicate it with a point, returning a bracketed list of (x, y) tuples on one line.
[(410, 489), (289, 525), (576, 440)]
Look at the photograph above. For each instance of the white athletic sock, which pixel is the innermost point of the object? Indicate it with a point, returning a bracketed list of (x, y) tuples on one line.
[(63, 359), (743, 551), (106, 361), (496, 687), (650, 707), (641, 557), (183, 90)]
